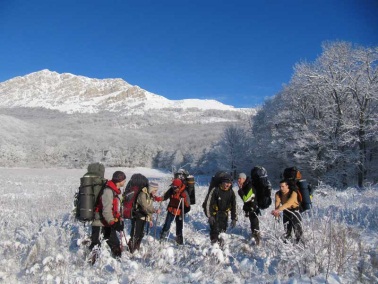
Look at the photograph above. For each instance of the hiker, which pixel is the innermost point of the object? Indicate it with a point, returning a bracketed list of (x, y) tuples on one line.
[(220, 201), (295, 181), (248, 195), (142, 214), (286, 202), (108, 215), (178, 199)]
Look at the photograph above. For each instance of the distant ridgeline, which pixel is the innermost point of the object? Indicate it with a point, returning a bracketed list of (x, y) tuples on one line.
[(70, 121)]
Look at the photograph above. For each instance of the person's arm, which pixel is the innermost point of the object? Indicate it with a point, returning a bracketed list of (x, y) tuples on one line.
[(107, 205), (277, 200), (233, 206)]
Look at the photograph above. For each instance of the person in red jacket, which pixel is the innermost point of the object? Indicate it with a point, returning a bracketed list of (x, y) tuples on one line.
[(108, 214), (178, 197)]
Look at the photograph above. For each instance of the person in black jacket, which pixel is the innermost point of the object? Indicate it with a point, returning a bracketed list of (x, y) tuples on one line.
[(220, 201), (248, 194)]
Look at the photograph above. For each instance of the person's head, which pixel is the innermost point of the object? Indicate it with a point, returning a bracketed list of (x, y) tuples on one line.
[(153, 188), (226, 182), (119, 179), (176, 184), (241, 179), (181, 174), (284, 186)]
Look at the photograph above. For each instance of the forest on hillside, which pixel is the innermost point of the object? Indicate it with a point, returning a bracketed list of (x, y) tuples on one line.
[(324, 121)]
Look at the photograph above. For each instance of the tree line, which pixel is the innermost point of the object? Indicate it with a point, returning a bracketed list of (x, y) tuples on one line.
[(325, 121)]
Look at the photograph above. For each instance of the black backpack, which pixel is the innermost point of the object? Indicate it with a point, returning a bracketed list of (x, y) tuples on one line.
[(293, 177), (263, 187), (136, 183), (217, 179)]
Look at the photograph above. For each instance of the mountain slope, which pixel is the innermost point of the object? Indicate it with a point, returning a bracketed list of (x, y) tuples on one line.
[(69, 93)]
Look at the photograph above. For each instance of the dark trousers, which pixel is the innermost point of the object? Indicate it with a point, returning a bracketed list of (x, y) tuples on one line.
[(293, 221), (111, 237), (168, 222), (136, 234), (254, 220), (220, 225)]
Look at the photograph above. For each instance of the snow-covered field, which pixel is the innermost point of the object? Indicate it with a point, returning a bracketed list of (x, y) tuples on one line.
[(41, 242)]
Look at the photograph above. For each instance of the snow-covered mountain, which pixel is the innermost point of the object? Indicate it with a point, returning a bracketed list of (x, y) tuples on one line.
[(70, 93)]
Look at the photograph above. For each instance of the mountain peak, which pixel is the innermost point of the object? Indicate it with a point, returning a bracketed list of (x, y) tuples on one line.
[(71, 93)]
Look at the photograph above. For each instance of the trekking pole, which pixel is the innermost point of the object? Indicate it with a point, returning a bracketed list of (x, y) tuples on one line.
[(173, 220), (183, 221), (156, 220)]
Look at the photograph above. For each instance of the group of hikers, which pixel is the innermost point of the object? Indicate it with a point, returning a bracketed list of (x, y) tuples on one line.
[(219, 204)]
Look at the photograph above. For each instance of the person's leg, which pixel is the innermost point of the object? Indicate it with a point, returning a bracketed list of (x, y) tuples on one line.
[(297, 225), (95, 237), (287, 223), (179, 227), (114, 243), (214, 231), (255, 227), (137, 233), (167, 225)]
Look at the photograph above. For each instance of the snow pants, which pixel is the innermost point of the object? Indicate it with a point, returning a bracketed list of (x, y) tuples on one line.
[(168, 222), (136, 233), (220, 225)]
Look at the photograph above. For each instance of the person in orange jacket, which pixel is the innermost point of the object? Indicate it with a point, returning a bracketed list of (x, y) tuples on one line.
[(177, 196)]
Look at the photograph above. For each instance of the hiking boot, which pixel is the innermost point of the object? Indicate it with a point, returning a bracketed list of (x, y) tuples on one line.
[(163, 236), (116, 252), (179, 240), (257, 238), (221, 243)]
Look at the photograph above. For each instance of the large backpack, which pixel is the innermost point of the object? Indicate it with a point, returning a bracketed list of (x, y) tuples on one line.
[(263, 187), (217, 179), (294, 179), (189, 182), (91, 186), (136, 183)]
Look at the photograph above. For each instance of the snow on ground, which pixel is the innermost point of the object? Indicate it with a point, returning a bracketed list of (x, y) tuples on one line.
[(42, 243)]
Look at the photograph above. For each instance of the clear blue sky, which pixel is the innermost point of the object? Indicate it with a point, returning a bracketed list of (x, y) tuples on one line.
[(238, 52)]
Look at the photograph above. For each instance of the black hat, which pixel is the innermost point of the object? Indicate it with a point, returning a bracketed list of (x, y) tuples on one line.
[(226, 178), (118, 176)]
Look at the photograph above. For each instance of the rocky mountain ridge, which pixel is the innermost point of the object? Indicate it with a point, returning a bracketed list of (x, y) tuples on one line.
[(78, 94)]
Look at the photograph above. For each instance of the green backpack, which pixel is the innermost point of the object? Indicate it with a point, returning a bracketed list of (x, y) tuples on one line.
[(91, 187)]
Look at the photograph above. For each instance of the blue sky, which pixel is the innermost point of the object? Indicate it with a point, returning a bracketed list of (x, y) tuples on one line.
[(237, 52)]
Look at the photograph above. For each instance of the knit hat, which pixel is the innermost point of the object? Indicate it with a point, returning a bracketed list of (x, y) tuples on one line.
[(226, 178), (242, 175), (153, 186), (118, 176), (177, 182)]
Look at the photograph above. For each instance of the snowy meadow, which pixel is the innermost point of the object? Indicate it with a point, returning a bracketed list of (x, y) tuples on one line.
[(42, 243)]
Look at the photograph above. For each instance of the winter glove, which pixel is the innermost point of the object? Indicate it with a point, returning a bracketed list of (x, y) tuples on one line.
[(158, 198), (233, 224), (211, 220), (118, 225), (112, 222), (183, 195)]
